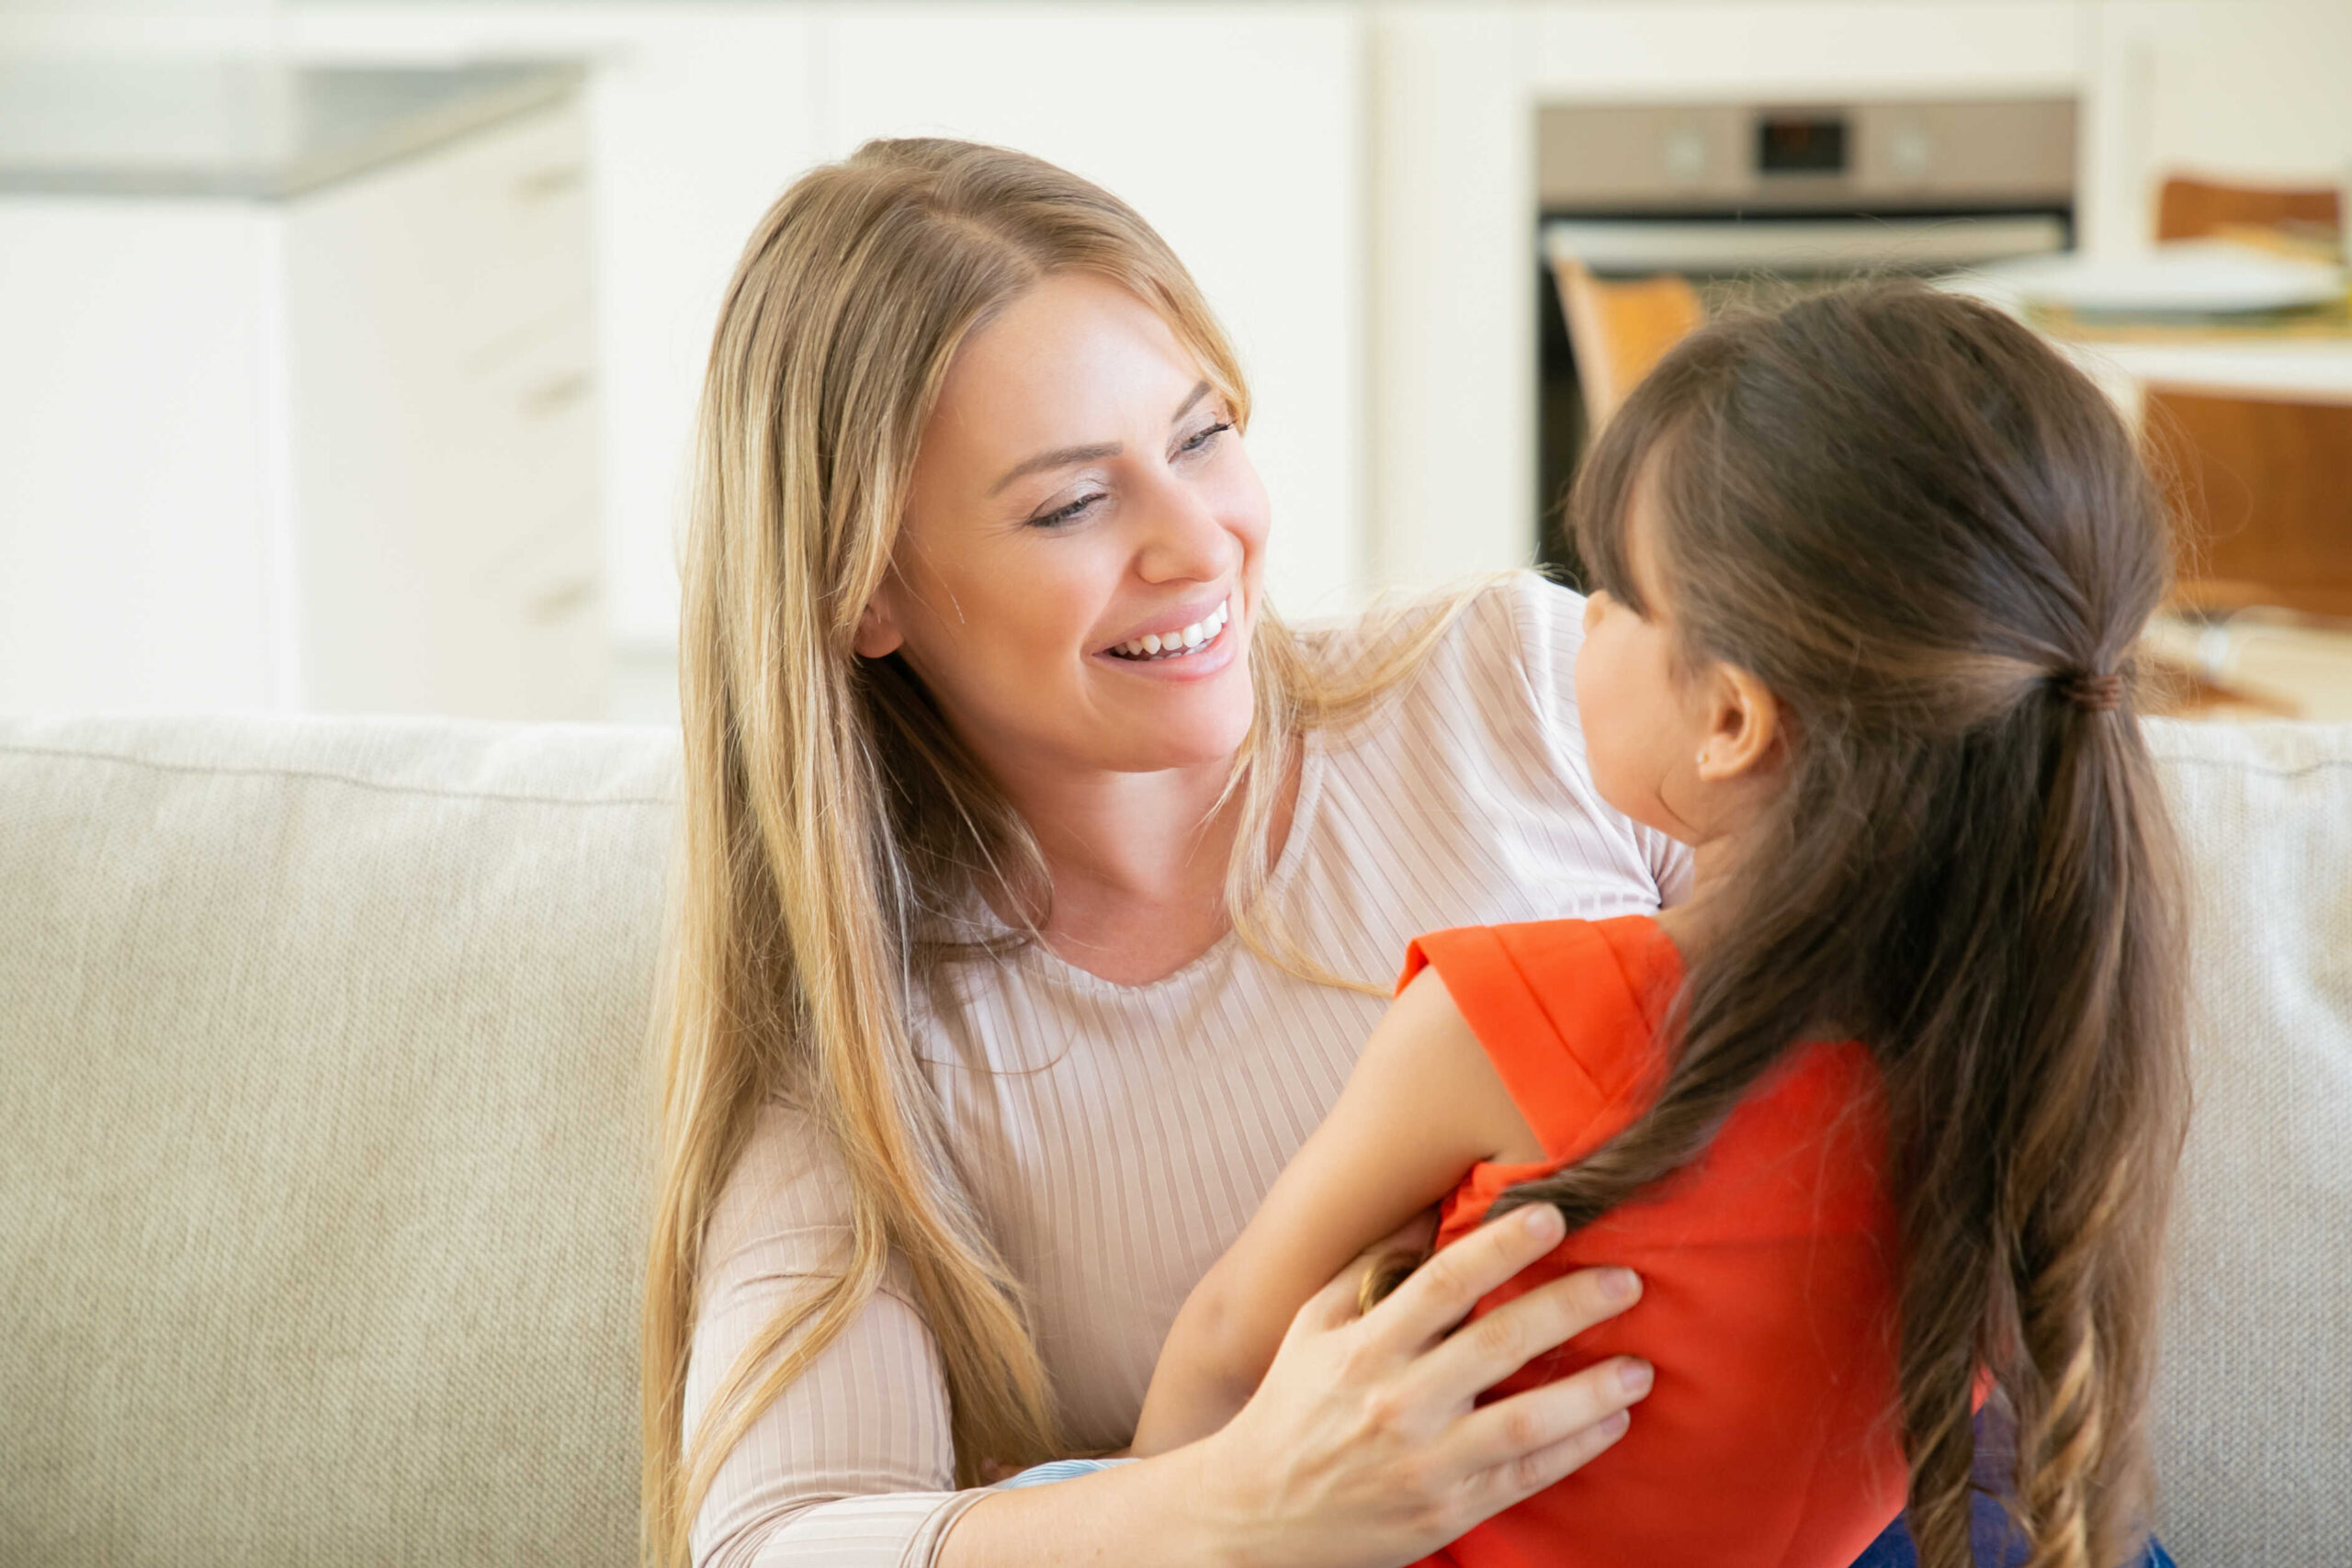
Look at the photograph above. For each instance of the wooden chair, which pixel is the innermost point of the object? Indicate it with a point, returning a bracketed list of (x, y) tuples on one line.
[(2193, 209), (1620, 330)]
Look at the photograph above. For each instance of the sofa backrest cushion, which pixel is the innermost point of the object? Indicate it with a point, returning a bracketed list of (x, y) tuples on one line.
[(323, 1045), (326, 1086), (2252, 1418)]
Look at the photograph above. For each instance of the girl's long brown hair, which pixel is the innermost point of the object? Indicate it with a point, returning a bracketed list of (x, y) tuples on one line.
[(1934, 542)]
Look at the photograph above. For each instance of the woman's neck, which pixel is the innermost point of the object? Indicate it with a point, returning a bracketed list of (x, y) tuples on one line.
[(1138, 863)]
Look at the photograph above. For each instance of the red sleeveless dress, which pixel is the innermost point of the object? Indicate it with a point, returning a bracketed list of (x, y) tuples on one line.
[(1770, 1267)]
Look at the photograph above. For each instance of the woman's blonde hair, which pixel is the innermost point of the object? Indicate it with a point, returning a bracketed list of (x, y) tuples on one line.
[(833, 827)]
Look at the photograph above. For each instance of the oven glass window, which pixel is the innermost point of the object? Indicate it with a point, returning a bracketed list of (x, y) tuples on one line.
[(1801, 145)]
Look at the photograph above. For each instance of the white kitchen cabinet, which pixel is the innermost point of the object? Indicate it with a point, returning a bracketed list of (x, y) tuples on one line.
[(335, 450), (441, 401)]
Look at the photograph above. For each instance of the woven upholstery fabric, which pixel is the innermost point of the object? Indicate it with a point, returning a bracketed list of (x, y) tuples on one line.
[(326, 1098), (2253, 1396), (323, 1056)]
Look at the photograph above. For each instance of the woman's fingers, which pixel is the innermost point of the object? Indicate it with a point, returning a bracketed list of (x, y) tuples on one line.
[(1443, 1290), (1492, 1490), (1517, 1332), (1518, 1441)]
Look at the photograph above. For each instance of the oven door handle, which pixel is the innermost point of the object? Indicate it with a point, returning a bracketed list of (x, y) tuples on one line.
[(1810, 245)]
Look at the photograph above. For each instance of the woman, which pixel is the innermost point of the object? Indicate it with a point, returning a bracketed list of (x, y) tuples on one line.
[(1036, 888)]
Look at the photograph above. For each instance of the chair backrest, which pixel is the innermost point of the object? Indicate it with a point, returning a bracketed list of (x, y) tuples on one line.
[(2190, 208), (1620, 330), (2263, 492)]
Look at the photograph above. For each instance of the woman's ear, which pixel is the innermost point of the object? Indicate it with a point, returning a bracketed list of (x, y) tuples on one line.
[(1742, 726), (877, 626)]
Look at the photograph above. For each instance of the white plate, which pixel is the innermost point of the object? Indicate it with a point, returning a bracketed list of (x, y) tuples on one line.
[(2201, 277)]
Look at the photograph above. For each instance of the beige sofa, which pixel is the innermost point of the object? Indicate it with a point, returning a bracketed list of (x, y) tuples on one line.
[(323, 1066)]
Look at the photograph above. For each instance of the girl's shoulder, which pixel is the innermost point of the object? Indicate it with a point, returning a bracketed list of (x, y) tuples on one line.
[(1571, 1013)]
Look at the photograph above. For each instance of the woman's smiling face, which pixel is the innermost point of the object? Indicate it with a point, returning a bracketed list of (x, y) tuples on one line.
[(1081, 496)]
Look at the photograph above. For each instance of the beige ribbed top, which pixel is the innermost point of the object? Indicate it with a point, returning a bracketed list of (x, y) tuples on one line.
[(1117, 1137)]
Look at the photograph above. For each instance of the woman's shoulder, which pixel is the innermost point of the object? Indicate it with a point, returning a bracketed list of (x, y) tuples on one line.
[(785, 1205), (1500, 652), (1508, 618), (1478, 685)]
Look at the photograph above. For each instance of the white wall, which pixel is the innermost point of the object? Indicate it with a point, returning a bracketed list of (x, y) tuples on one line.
[(1453, 322), (183, 526), (2252, 90), (1236, 131)]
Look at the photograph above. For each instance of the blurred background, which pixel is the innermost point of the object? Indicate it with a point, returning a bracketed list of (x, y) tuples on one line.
[(349, 348)]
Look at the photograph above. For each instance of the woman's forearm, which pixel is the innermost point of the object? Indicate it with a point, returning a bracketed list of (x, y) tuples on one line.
[(1143, 1515), (1362, 1447)]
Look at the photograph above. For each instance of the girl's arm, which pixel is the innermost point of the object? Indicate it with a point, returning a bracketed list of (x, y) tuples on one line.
[(1422, 1106)]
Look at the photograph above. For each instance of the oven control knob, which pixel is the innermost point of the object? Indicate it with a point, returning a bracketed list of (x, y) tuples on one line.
[(1686, 154), (1909, 152)]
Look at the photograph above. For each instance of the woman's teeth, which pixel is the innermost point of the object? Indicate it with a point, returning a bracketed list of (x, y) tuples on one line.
[(1176, 644)]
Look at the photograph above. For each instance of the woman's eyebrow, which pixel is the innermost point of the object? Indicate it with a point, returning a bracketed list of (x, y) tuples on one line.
[(1059, 457), (1063, 456)]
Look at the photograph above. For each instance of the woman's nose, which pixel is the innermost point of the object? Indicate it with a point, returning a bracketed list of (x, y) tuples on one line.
[(1183, 539)]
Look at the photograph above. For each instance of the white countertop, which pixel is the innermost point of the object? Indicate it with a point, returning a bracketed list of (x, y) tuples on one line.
[(240, 129), (2258, 364)]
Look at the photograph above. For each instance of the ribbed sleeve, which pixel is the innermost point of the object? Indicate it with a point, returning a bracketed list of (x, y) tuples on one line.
[(1117, 1137)]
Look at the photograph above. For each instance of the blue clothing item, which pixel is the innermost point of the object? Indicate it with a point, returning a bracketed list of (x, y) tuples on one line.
[(1993, 1538), (1055, 1470), (1992, 1541)]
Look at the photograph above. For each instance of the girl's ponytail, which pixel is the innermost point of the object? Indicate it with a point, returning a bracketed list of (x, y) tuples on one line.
[(2099, 1134), (1934, 542)]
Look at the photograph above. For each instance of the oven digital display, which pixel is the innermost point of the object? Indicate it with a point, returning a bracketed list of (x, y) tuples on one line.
[(1801, 145)]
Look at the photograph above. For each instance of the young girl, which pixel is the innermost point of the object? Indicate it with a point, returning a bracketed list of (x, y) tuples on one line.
[(1885, 1116)]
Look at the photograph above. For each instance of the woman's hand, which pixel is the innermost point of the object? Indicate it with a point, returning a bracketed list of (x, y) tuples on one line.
[(1363, 1448)]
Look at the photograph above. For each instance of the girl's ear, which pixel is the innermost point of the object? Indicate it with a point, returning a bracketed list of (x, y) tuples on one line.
[(877, 626), (1742, 726)]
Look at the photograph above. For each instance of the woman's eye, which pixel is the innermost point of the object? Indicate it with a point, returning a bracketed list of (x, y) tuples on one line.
[(1194, 442), (1062, 515)]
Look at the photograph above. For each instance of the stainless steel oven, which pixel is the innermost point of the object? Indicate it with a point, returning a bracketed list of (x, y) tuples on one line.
[(1753, 198)]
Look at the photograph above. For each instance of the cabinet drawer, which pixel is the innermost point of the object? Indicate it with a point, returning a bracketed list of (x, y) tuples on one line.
[(543, 623), (521, 435), (520, 201)]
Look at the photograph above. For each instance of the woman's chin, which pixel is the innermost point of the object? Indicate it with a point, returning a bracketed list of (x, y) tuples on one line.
[(1201, 729)]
